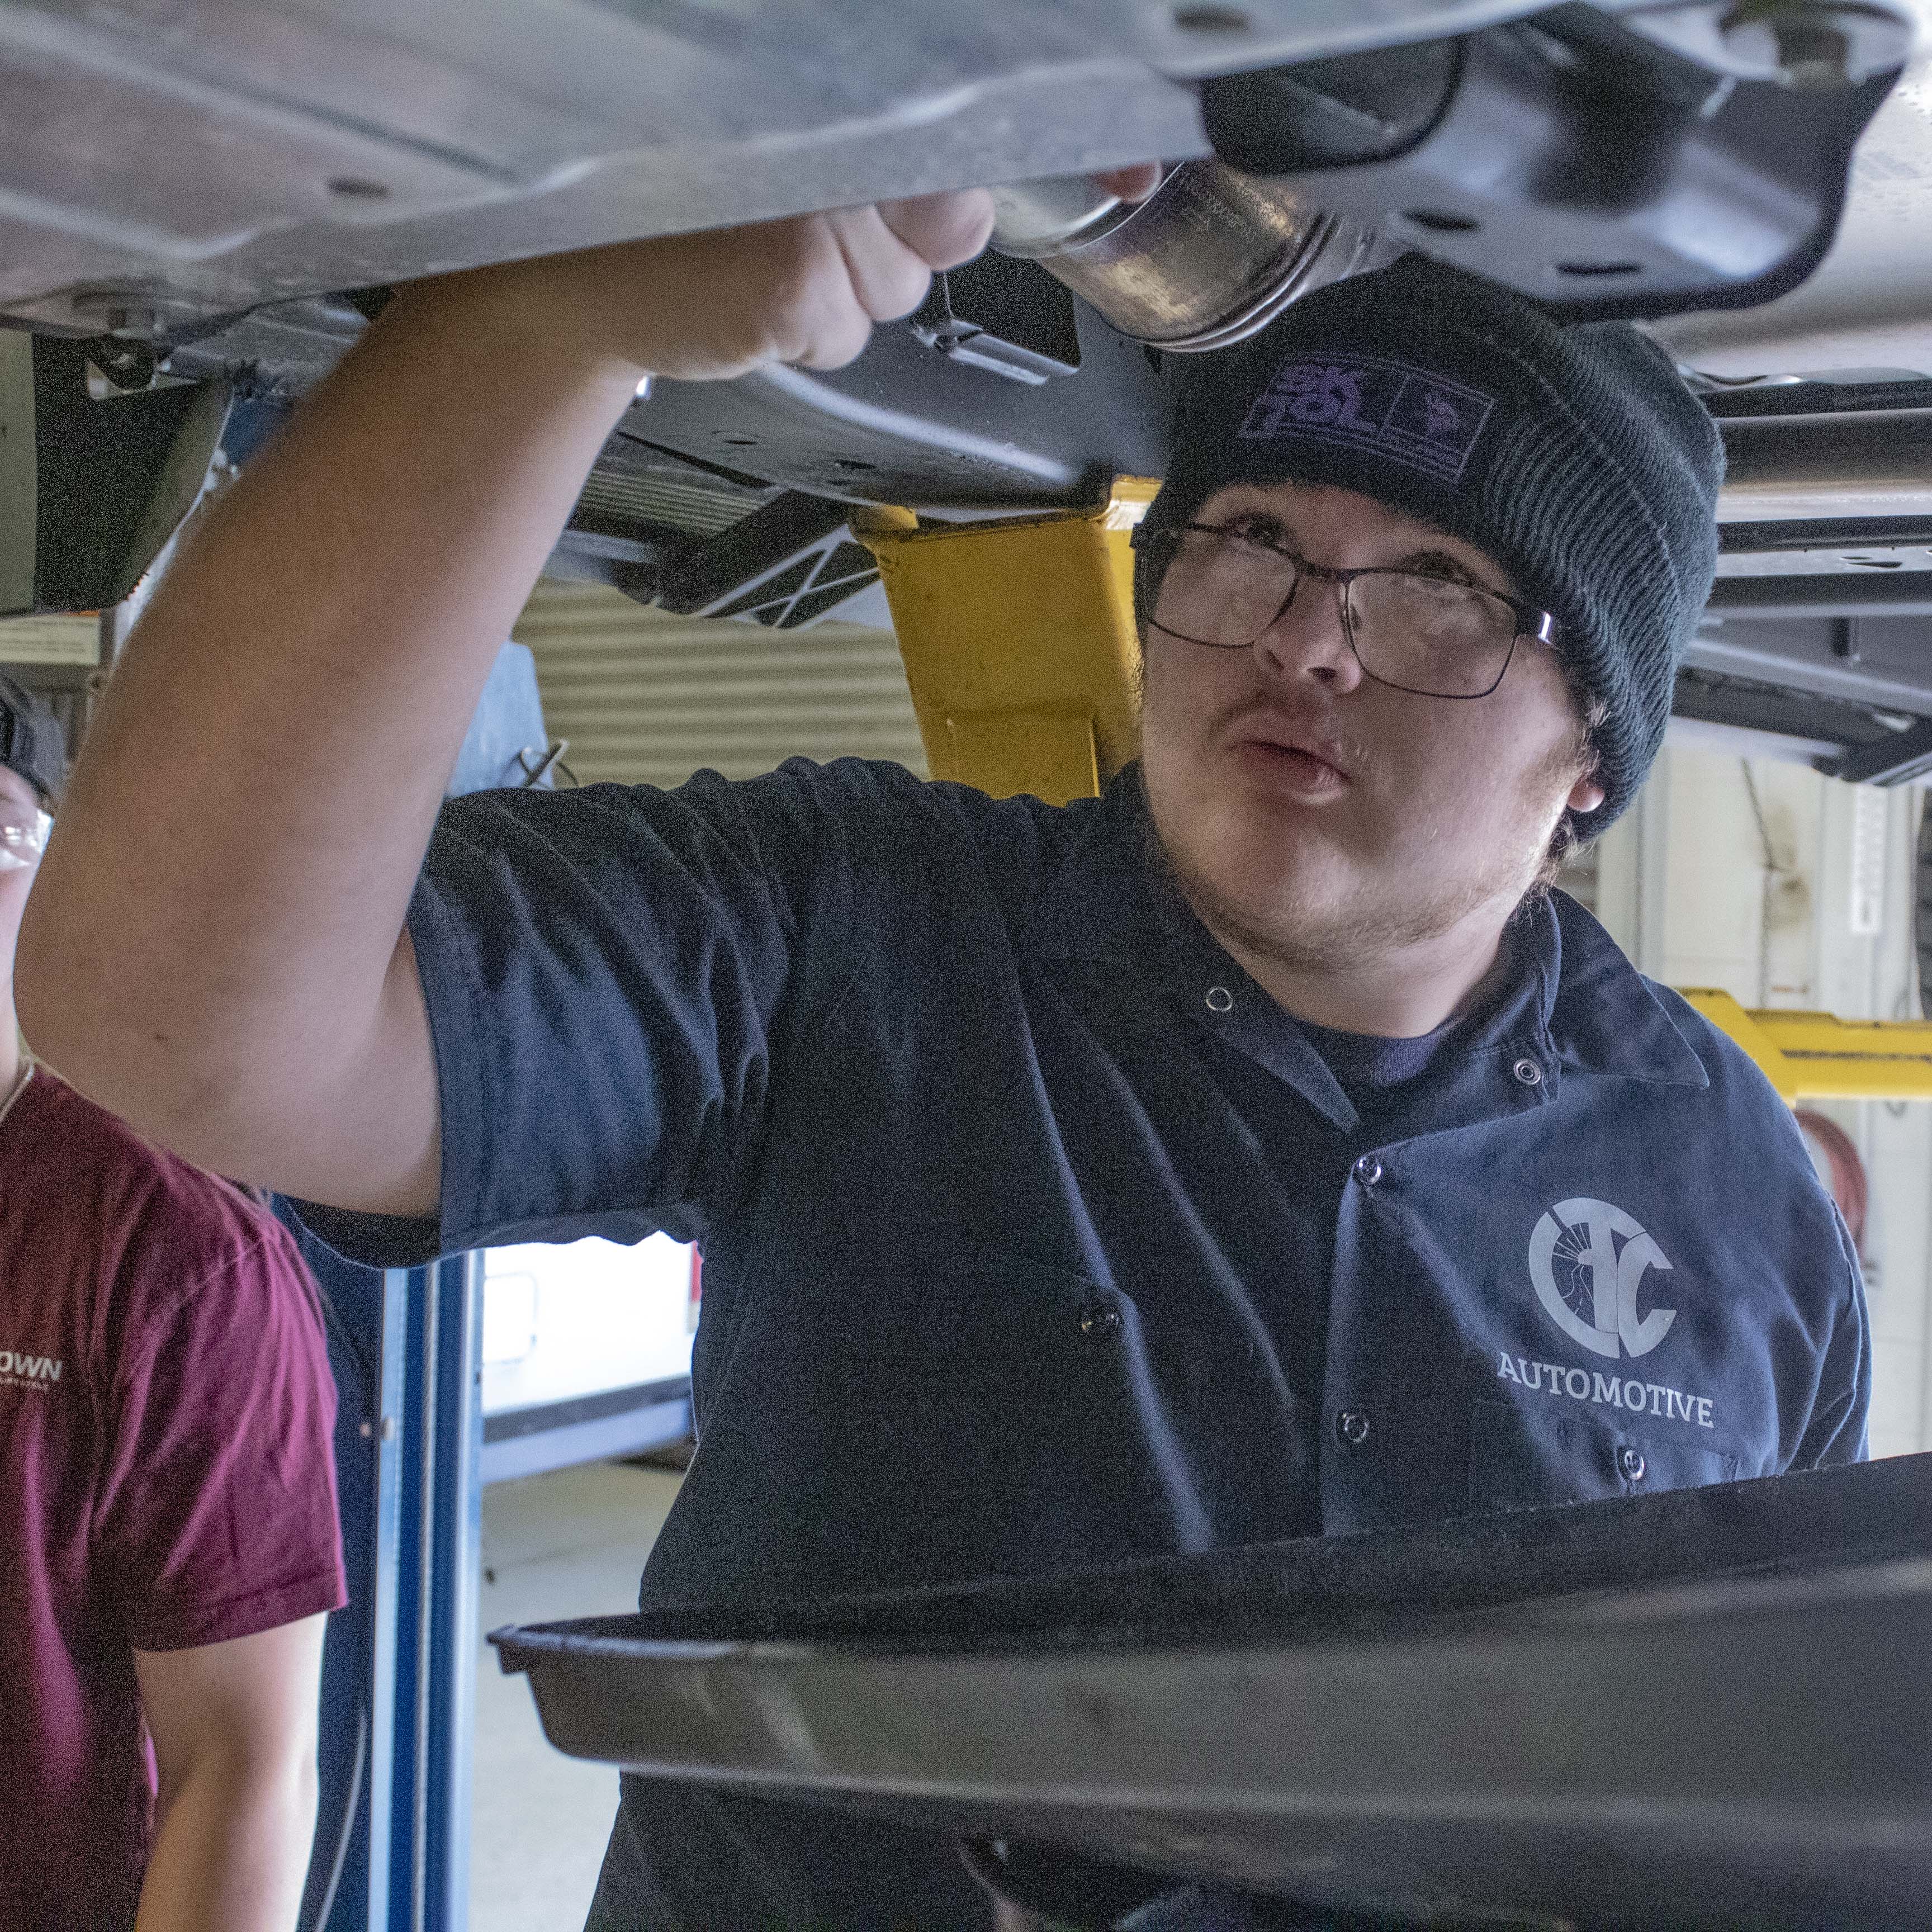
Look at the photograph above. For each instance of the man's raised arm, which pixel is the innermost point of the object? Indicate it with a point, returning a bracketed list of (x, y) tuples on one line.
[(215, 948)]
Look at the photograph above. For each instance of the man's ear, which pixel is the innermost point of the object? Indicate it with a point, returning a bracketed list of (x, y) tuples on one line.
[(1585, 795)]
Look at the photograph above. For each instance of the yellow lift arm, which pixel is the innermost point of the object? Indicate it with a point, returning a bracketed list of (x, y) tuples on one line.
[(1819, 1057), (1019, 647)]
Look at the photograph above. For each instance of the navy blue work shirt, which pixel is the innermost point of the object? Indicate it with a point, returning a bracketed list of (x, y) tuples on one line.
[(1036, 1234)]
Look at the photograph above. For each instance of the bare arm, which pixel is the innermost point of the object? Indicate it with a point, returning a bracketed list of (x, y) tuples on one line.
[(215, 947), (234, 1726)]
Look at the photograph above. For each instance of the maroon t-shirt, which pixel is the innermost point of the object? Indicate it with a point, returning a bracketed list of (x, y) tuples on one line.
[(167, 1479)]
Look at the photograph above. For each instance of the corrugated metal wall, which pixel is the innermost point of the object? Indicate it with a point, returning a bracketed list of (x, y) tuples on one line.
[(646, 697)]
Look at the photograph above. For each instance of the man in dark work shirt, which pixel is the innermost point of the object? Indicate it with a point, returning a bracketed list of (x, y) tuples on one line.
[(1258, 1151)]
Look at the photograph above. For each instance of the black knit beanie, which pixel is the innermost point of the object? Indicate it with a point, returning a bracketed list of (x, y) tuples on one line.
[(1575, 457)]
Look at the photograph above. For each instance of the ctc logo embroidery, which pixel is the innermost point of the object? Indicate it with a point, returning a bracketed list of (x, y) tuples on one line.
[(1588, 1285)]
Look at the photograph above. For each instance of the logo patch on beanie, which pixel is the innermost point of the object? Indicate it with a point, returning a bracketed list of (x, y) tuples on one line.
[(1403, 415)]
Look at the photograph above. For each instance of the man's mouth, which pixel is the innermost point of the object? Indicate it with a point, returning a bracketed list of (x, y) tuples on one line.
[(1301, 764)]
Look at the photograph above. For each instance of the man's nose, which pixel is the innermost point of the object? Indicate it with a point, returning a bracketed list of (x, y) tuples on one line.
[(1310, 639)]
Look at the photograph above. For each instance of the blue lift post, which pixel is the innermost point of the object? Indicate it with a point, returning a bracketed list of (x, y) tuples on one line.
[(439, 1538), (392, 1841)]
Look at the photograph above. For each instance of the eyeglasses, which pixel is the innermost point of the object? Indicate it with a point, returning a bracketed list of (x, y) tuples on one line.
[(1222, 585)]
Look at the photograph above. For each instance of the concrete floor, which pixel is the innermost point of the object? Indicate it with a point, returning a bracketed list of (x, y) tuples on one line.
[(569, 1544)]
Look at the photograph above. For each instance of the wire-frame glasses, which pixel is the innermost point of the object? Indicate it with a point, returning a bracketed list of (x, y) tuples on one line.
[(1222, 585)]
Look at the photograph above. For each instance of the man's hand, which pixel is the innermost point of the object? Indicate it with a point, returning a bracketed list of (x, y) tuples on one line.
[(806, 291), (234, 1726)]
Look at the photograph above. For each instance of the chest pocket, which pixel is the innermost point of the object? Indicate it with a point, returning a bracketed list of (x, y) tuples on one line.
[(1519, 1460)]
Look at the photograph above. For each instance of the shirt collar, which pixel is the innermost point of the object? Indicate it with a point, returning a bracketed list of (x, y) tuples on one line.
[(1097, 905), (1112, 903), (1605, 1017)]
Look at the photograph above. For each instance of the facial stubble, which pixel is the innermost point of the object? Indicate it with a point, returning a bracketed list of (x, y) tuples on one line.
[(1298, 932)]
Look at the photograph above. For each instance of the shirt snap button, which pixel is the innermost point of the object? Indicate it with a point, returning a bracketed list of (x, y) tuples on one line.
[(1631, 1462), (1219, 999), (1352, 1425), (1099, 1317), (1369, 1170), (1529, 1072)]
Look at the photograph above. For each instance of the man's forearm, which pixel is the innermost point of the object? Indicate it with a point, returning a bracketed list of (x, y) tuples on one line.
[(231, 1852), (239, 841), (214, 948)]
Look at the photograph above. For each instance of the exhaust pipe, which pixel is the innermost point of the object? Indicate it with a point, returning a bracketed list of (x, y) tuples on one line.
[(1211, 258)]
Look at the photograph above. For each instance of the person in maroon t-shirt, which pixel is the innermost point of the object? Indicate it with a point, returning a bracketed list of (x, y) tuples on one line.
[(168, 1536)]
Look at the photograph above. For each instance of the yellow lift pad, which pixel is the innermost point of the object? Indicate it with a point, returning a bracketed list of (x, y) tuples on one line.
[(1019, 643)]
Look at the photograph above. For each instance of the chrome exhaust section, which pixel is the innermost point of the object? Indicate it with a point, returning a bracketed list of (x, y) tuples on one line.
[(1210, 258)]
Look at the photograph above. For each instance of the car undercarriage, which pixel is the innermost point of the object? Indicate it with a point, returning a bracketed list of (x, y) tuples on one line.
[(216, 196)]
